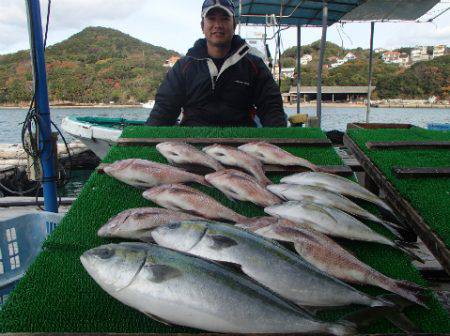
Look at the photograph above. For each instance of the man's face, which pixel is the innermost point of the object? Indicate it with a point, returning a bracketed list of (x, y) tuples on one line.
[(218, 28)]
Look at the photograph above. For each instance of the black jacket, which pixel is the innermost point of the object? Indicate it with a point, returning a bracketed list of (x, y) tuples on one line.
[(225, 98)]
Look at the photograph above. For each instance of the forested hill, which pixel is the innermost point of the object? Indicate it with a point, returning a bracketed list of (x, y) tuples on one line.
[(94, 66), (420, 81)]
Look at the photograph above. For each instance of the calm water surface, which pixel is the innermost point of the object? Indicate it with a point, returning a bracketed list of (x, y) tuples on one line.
[(333, 118)]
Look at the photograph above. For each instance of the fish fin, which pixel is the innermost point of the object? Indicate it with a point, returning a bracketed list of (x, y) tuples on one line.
[(343, 328), (147, 238), (400, 320), (159, 319), (201, 180), (366, 316), (392, 228), (228, 196), (231, 265), (161, 273), (412, 254), (409, 291), (221, 242)]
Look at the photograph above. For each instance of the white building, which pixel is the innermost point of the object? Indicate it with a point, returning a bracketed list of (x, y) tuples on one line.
[(404, 60), (305, 59), (350, 57), (338, 63), (380, 50), (419, 54), (391, 57), (287, 72), (439, 51)]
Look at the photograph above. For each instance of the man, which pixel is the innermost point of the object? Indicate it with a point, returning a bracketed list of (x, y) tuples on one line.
[(218, 82)]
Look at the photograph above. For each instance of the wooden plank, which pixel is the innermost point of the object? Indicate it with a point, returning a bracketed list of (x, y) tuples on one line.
[(201, 170), (377, 126), (408, 144), (225, 141), (432, 241), (418, 172)]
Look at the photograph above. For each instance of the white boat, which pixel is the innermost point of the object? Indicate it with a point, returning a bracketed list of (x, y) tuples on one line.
[(149, 104), (98, 134)]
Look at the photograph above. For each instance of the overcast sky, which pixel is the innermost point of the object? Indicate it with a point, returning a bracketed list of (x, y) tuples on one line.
[(175, 24)]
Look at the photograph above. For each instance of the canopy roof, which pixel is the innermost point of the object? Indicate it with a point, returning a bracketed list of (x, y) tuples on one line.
[(389, 10), (309, 12)]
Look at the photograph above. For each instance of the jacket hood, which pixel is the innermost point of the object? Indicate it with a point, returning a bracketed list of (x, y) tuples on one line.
[(199, 50)]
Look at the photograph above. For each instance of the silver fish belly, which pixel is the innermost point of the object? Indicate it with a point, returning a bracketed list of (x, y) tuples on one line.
[(263, 260), (181, 289)]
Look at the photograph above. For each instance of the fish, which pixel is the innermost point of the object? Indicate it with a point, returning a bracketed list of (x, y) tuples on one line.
[(238, 185), (231, 156), (133, 223), (265, 261), (183, 198), (271, 154), (296, 192), (328, 256), (332, 222), (145, 174), (183, 153), (337, 184), (175, 288)]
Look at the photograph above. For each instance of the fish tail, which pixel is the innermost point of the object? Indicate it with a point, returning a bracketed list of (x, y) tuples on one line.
[(343, 328), (392, 227), (401, 246), (408, 290)]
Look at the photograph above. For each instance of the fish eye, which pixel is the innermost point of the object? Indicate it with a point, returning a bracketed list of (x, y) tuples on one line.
[(173, 226), (104, 253), (173, 153), (220, 154)]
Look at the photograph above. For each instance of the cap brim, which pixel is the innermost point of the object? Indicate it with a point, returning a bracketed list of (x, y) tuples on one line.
[(217, 6)]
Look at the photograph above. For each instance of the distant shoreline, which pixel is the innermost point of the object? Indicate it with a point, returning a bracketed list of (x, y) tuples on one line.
[(286, 105)]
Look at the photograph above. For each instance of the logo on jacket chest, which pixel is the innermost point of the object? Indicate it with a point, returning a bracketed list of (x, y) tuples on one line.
[(242, 82)]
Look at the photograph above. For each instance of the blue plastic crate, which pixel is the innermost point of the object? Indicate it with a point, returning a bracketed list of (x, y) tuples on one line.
[(21, 240), (439, 127)]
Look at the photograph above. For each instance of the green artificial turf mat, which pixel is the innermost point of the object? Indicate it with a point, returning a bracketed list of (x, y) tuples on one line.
[(429, 196), (57, 295)]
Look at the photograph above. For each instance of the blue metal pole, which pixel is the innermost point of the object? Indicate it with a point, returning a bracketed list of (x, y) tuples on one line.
[(42, 106)]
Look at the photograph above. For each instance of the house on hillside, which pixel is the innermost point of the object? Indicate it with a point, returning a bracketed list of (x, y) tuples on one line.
[(419, 54), (171, 62), (439, 50), (350, 57), (380, 50), (305, 59), (287, 72), (404, 60), (391, 57), (338, 63)]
